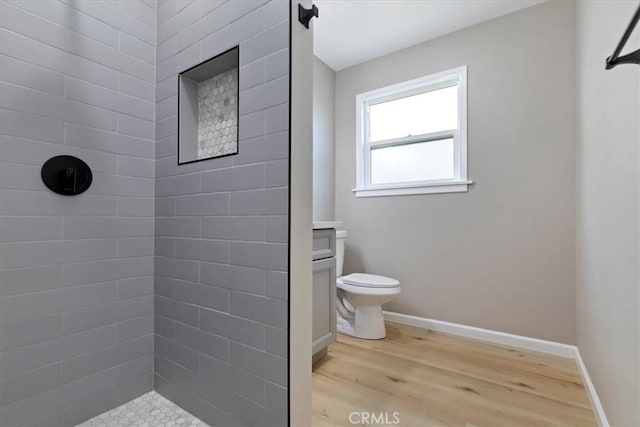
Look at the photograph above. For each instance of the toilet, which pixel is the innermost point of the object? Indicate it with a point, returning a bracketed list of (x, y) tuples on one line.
[(360, 297)]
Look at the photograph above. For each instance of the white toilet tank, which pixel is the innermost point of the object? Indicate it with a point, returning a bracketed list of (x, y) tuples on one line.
[(341, 237)]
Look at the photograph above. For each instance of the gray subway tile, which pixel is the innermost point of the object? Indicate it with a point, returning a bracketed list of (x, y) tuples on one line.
[(260, 363), (253, 74), (118, 19), (179, 354), (231, 179), (31, 76), (43, 55), (18, 150), (21, 229), (277, 229), (270, 256), (21, 281), (233, 327), (135, 287), (164, 246), (86, 364), (277, 285), (95, 139), (135, 87), (163, 286), (183, 269), (259, 308), (202, 204), (262, 149), (275, 397), (29, 357), (202, 250), (56, 107), (201, 295), (30, 383), (29, 254), (178, 227), (178, 185), (276, 341), (135, 247), (103, 271), (135, 47), (234, 228), (203, 342), (270, 94), (136, 127), (251, 126), (136, 327), (132, 166), (276, 12), (165, 206), (23, 125), (278, 64), (163, 367), (23, 306), (46, 203), (29, 331), (136, 207), (233, 277), (260, 202), (63, 15), (101, 227), (272, 40), (163, 326), (235, 379), (107, 141), (277, 118), (177, 310), (255, 414)]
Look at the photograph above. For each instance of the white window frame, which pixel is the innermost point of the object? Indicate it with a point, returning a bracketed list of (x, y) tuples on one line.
[(459, 183)]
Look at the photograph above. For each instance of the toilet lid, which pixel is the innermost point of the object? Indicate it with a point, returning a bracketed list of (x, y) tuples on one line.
[(369, 280)]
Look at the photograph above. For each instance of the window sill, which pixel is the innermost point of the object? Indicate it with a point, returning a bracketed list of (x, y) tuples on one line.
[(405, 190)]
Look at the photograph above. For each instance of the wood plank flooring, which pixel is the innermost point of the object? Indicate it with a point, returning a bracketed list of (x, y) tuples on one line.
[(433, 379)]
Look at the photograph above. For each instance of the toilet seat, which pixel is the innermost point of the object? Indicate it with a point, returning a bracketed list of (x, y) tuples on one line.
[(363, 290), (369, 280)]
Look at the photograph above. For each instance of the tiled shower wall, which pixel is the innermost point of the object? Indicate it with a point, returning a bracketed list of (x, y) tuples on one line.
[(76, 273), (222, 224)]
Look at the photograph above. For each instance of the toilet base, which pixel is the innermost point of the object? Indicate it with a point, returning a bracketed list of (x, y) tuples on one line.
[(368, 323)]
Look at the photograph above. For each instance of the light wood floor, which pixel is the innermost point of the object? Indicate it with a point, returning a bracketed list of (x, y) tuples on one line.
[(430, 378)]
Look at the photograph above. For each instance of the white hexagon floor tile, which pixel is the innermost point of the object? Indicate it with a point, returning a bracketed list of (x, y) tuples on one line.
[(148, 410)]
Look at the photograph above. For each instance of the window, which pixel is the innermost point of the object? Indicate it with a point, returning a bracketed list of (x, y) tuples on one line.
[(411, 137)]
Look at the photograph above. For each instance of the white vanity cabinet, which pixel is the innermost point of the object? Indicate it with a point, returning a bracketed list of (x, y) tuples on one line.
[(324, 291)]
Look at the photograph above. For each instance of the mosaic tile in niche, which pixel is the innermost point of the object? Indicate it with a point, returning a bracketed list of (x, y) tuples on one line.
[(218, 115)]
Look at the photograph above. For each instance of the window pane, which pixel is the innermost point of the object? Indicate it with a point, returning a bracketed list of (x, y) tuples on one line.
[(422, 161), (414, 115)]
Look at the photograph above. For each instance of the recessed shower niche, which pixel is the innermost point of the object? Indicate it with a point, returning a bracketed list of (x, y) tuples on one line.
[(208, 98)]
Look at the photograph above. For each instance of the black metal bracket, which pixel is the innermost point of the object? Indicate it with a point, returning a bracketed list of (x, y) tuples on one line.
[(631, 58), (305, 15), (66, 175)]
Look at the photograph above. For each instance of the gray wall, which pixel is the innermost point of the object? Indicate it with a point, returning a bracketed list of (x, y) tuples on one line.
[(222, 225), (76, 273), (608, 299), (324, 81), (501, 256)]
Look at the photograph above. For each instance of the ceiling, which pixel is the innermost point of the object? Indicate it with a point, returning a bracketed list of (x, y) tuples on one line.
[(350, 32)]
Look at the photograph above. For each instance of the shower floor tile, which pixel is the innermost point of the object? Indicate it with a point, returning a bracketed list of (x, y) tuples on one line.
[(148, 410)]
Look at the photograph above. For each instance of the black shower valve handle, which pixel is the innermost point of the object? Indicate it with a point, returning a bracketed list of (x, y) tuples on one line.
[(305, 15)]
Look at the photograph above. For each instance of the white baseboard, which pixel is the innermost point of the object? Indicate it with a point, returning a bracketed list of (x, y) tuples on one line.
[(596, 405), (526, 343), (534, 344)]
